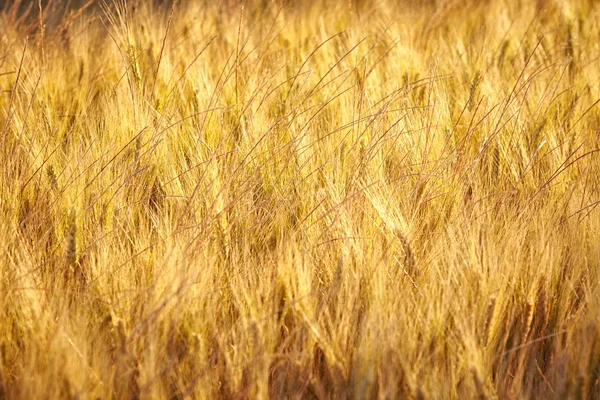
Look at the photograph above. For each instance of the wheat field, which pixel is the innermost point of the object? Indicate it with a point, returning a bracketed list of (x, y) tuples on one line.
[(265, 199)]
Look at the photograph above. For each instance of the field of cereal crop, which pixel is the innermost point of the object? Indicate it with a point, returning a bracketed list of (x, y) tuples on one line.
[(277, 199)]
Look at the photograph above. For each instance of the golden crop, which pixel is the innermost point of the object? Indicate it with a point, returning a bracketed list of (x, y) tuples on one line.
[(268, 199)]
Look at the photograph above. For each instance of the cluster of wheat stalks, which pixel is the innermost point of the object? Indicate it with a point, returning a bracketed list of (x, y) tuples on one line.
[(347, 199)]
